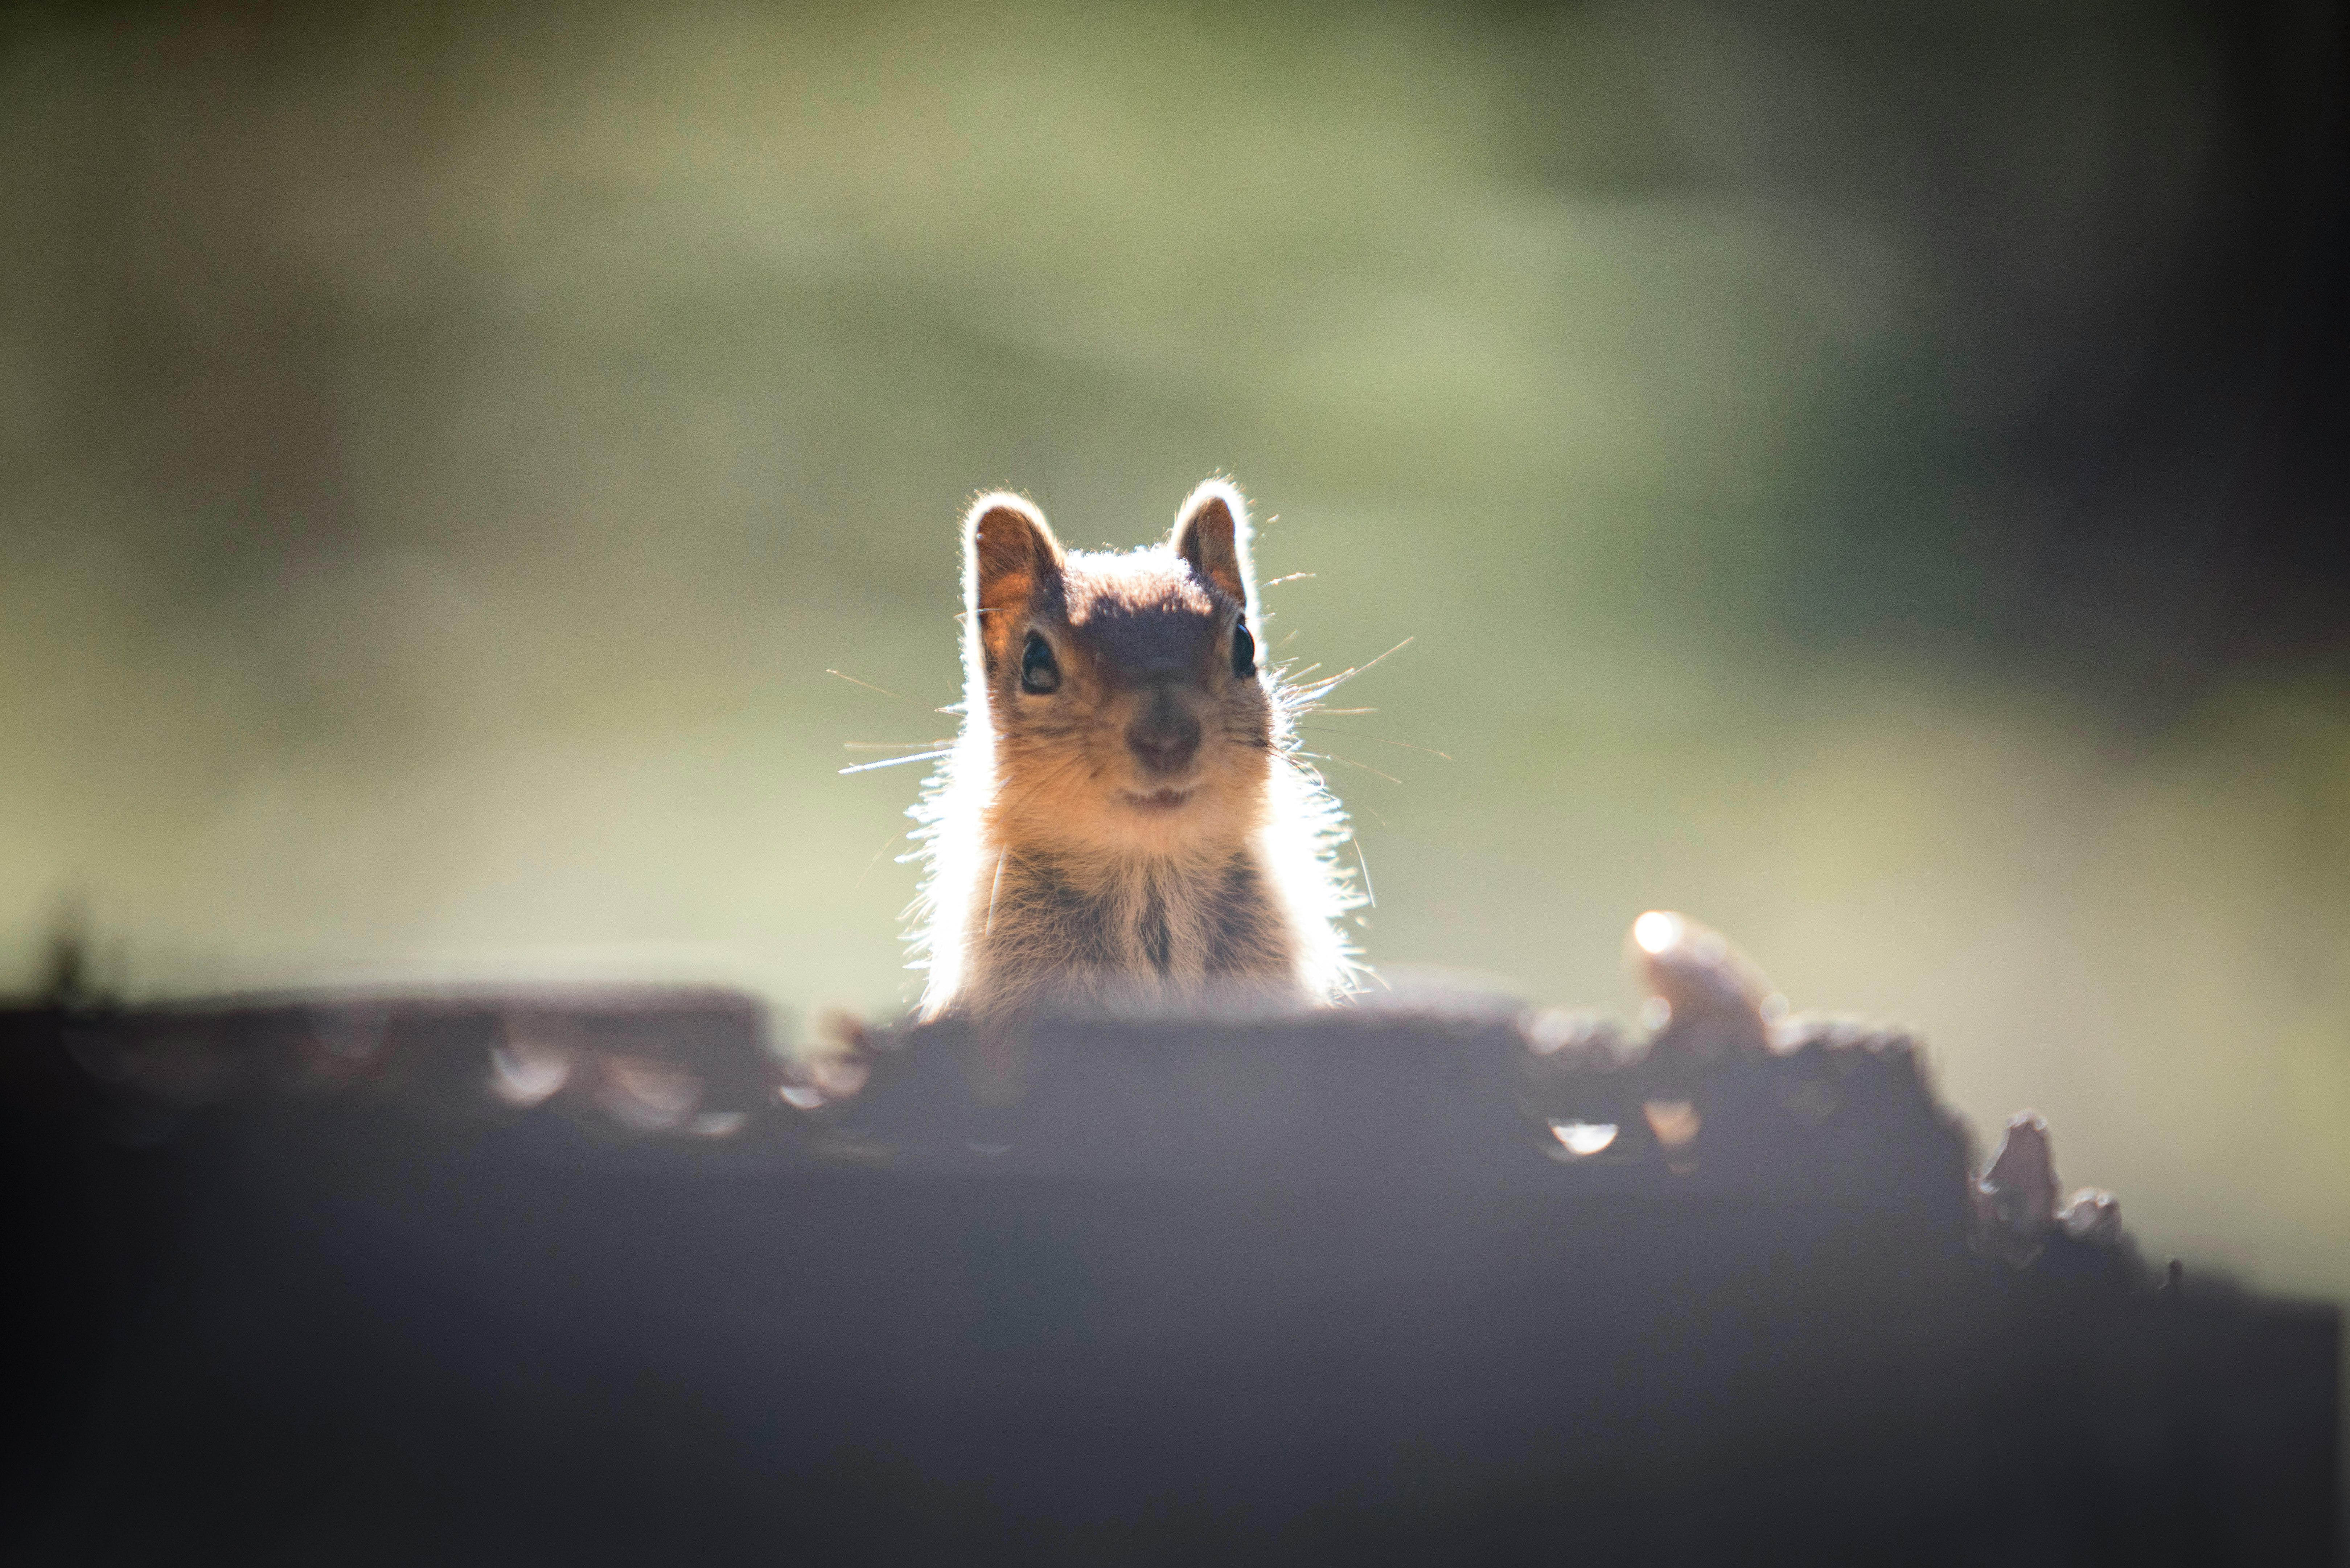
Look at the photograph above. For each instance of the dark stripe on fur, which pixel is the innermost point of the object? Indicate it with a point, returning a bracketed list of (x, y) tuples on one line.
[(1238, 928), (1157, 942)]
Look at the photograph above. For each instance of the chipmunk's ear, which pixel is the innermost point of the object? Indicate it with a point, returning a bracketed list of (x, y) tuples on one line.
[(1211, 534), (1010, 560)]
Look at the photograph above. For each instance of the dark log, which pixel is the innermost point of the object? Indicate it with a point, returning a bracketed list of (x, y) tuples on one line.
[(332, 1279)]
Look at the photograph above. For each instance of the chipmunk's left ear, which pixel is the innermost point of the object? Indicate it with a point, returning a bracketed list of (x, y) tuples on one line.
[(1211, 534)]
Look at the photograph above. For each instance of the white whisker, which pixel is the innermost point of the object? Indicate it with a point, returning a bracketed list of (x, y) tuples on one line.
[(1330, 683), (1359, 735), (875, 861), (895, 761), (869, 685), (1350, 762)]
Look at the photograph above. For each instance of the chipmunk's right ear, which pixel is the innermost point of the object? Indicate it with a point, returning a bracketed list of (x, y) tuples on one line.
[(1010, 560)]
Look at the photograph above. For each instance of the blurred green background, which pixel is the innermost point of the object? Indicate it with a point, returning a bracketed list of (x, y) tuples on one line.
[(1865, 482)]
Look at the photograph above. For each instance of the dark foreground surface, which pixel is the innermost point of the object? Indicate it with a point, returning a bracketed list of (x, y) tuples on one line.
[(598, 1280)]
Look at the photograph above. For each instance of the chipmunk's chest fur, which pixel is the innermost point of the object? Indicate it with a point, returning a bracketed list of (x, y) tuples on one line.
[(1150, 933)]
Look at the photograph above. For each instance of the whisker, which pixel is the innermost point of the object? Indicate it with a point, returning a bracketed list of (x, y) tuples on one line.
[(893, 746), (894, 761), (1336, 712), (1284, 642), (1294, 576), (1369, 892), (1357, 734), (1330, 683), (875, 861), (1342, 761), (1312, 776), (1305, 770), (868, 686)]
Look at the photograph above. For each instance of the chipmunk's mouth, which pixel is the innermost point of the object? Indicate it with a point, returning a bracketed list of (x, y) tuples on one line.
[(1159, 800)]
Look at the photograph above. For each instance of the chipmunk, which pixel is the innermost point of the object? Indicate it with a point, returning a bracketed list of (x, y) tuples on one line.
[(1123, 824)]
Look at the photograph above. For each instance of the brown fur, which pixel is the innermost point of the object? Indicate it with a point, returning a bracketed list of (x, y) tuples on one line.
[(1140, 838)]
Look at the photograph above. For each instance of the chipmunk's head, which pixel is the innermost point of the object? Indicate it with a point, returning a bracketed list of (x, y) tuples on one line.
[(1122, 691)]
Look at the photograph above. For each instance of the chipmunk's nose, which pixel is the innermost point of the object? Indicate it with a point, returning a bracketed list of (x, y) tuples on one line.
[(1164, 735)]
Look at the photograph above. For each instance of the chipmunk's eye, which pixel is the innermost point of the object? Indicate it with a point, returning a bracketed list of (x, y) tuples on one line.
[(1039, 671), (1244, 651)]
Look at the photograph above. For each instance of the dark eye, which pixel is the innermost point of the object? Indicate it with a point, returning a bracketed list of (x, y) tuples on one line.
[(1243, 651), (1038, 672)]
